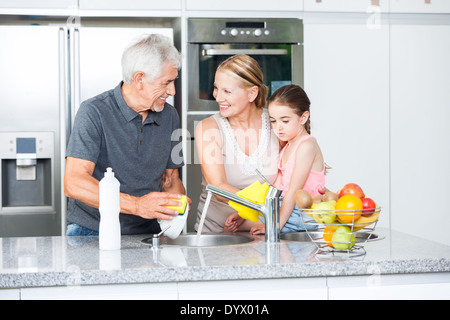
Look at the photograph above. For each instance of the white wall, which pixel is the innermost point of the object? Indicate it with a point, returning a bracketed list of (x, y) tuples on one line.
[(420, 115), (380, 109), (385, 90), (347, 80)]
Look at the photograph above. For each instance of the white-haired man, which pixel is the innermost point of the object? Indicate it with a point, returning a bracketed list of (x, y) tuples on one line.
[(128, 128)]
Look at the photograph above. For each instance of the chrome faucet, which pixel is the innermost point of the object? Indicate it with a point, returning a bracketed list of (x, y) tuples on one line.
[(270, 209)]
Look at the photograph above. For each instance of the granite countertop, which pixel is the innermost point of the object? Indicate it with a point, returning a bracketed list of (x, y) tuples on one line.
[(65, 261)]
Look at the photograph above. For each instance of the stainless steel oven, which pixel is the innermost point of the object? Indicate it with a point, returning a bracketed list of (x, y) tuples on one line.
[(277, 45)]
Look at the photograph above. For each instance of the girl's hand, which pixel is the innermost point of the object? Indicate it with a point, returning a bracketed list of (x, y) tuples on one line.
[(323, 190), (233, 222), (260, 228)]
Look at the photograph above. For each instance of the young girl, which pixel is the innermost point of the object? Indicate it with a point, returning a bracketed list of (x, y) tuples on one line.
[(301, 164)]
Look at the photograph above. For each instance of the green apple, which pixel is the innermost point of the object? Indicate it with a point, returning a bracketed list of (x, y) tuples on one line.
[(324, 212), (343, 238)]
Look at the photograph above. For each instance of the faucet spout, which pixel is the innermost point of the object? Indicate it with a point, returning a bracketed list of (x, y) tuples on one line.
[(270, 209), (234, 197)]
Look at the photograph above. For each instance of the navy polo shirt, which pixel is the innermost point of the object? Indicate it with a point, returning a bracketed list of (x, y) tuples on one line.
[(109, 133)]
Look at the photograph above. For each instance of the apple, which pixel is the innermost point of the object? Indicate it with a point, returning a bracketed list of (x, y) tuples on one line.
[(353, 189), (343, 238), (369, 205), (326, 214)]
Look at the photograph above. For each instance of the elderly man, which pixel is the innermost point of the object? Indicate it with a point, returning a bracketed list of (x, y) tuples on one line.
[(129, 129)]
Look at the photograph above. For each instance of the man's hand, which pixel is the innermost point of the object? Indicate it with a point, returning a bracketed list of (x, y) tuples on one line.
[(153, 205), (81, 185)]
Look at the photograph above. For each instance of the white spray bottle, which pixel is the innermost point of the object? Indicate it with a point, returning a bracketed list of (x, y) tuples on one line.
[(109, 233)]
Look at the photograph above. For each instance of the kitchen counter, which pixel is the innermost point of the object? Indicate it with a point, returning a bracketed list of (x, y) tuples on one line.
[(74, 267), (77, 261)]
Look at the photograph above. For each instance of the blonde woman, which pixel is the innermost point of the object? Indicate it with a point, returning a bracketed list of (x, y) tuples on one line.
[(236, 141)]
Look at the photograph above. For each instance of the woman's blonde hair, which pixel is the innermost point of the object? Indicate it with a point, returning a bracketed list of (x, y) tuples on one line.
[(249, 72)]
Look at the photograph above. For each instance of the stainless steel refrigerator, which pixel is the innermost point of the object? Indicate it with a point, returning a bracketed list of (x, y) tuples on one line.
[(47, 68)]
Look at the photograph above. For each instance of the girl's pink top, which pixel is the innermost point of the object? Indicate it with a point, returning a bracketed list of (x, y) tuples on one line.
[(315, 181)]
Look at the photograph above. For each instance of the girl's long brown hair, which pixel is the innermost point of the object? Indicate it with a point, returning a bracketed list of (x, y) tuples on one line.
[(294, 97)]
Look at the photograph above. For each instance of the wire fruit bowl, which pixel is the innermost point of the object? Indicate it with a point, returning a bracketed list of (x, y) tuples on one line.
[(341, 230)]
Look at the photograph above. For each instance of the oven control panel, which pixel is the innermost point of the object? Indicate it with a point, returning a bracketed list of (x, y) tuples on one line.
[(245, 32), (222, 30), (234, 29)]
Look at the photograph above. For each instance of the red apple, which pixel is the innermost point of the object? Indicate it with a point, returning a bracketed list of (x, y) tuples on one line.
[(353, 189), (367, 205)]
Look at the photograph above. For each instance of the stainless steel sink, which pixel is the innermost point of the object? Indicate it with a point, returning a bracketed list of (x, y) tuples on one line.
[(318, 236), (205, 240), (298, 236)]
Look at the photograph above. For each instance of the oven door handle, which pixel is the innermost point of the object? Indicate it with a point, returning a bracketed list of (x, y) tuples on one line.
[(232, 52)]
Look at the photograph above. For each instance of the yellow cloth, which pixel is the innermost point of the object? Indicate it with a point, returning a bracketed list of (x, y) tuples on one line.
[(256, 193)]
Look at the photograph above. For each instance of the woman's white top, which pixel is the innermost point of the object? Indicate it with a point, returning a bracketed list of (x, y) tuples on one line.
[(240, 169)]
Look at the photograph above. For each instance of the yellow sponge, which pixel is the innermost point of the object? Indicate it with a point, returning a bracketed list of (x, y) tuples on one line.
[(181, 208), (256, 193)]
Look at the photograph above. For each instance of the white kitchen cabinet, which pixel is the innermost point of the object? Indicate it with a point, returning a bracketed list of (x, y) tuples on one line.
[(420, 168), (247, 5), (10, 294), (420, 6), (434, 291), (146, 291), (130, 5), (42, 4), (347, 80), (346, 5), (272, 289), (432, 286), (375, 287)]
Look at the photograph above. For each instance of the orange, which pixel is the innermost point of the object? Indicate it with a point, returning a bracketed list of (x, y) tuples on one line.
[(350, 205), (328, 235)]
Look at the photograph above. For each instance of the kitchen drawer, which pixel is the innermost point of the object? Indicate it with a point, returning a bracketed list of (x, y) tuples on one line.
[(130, 5), (144, 291), (42, 4), (263, 289), (420, 6), (247, 5), (10, 294), (345, 5)]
